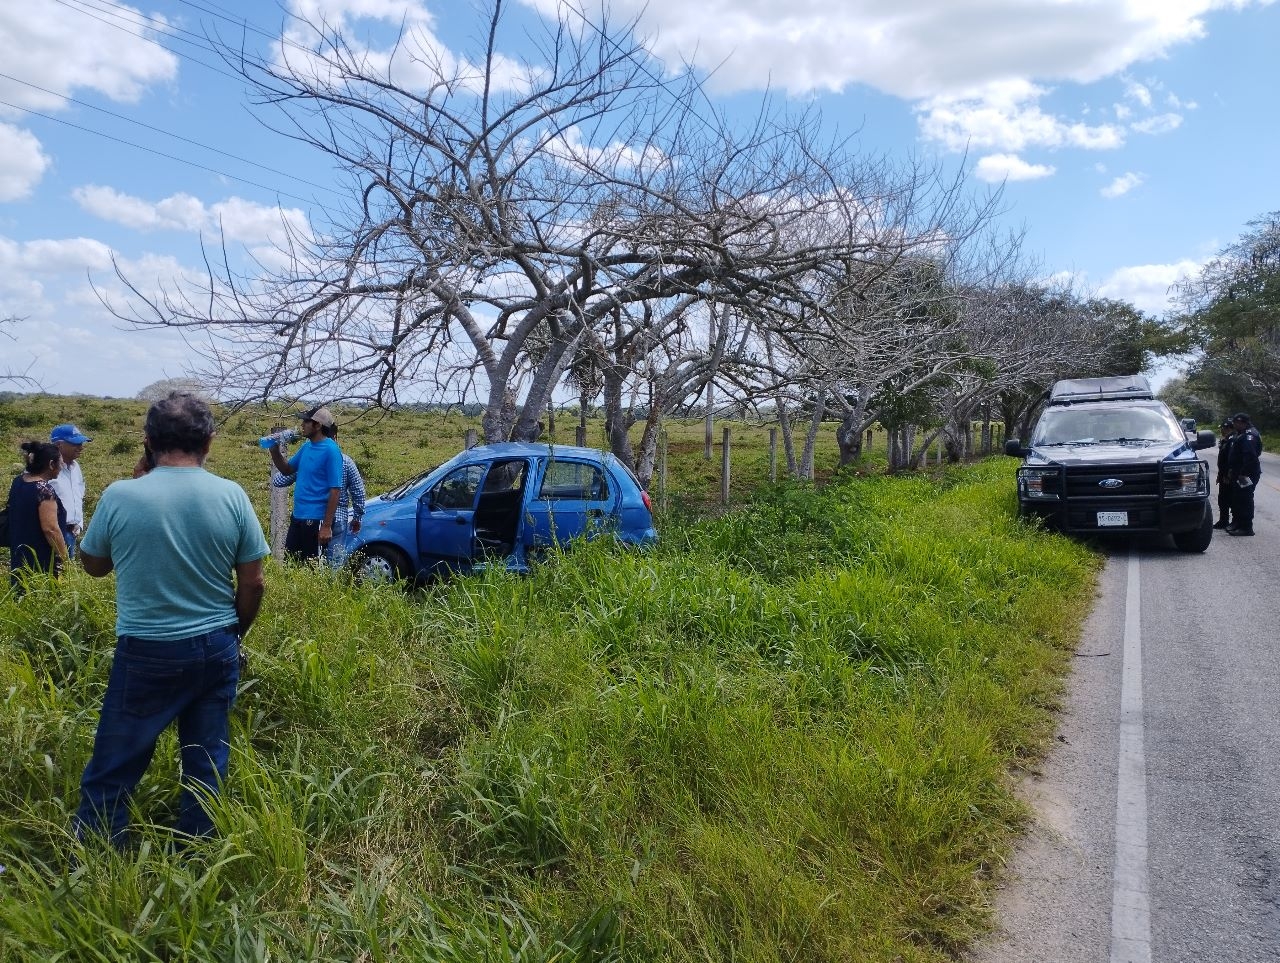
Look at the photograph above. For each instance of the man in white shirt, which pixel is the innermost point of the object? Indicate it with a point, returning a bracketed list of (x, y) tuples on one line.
[(69, 485)]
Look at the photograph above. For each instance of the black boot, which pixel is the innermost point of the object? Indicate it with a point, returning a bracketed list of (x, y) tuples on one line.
[(1239, 531), (1220, 523)]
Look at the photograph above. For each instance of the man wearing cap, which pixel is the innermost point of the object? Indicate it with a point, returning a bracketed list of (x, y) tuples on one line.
[(350, 502), (1224, 474), (69, 485), (318, 467), (1246, 469)]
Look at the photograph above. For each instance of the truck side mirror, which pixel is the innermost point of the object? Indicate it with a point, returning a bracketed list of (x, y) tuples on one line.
[(1206, 439), (1014, 447)]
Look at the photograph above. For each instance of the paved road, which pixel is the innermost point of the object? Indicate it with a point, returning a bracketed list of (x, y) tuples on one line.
[(1157, 829)]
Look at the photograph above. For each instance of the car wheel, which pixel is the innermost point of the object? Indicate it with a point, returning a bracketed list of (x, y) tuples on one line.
[(381, 563), (1198, 539)]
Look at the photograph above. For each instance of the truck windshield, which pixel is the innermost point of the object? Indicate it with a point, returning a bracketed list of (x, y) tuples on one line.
[(1085, 426)]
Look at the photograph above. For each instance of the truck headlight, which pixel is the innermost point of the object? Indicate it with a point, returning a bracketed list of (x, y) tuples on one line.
[(1041, 483), (1186, 480)]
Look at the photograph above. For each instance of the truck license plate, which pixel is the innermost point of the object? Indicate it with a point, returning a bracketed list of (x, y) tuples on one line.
[(1111, 519)]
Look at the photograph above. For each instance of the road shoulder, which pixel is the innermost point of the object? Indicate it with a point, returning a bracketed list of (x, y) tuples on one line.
[(1054, 900)]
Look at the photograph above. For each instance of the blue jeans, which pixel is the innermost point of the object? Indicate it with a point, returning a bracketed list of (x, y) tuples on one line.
[(339, 529), (151, 684), (71, 542)]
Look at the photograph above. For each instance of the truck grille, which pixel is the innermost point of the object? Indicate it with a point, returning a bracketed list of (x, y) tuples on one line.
[(1138, 481)]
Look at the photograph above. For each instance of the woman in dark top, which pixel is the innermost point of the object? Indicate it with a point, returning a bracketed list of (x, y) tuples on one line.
[(36, 517)]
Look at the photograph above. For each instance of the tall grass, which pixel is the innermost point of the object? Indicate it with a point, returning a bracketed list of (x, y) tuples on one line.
[(783, 734)]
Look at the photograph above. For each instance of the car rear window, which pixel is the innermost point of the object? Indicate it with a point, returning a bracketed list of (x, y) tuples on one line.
[(574, 481)]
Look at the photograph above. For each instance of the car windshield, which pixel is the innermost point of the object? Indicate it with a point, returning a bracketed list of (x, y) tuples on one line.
[(403, 488), (1091, 426)]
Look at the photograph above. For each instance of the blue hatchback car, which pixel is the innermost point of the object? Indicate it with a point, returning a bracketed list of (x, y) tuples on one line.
[(498, 504)]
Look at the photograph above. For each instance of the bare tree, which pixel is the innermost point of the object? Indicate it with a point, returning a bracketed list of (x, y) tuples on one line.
[(515, 223), (16, 377)]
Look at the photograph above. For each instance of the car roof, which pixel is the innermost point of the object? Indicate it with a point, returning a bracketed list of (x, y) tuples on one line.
[(1077, 390), (535, 448), (1112, 404)]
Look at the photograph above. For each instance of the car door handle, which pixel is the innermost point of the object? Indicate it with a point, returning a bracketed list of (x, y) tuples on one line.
[(460, 520)]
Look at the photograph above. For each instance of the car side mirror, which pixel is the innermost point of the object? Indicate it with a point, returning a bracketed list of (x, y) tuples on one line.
[(1206, 439), (1014, 447)]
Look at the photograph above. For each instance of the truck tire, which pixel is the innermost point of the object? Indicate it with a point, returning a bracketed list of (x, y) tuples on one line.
[(1198, 539)]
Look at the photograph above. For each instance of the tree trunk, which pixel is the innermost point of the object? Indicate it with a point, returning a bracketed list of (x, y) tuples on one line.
[(649, 447), (617, 420), (788, 443), (849, 439), (499, 419), (849, 436), (811, 436), (921, 459)]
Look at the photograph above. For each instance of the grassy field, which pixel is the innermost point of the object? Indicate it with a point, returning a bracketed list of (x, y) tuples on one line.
[(786, 733), (392, 446)]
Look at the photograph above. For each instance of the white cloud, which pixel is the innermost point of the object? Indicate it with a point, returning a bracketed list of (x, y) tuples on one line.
[(244, 221), (48, 257), (957, 61), (1140, 93), (1146, 286), (415, 59), (66, 339), (22, 162), (917, 49), (1123, 184), (1159, 124), (1005, 116), (63, 48), (1001, 167)]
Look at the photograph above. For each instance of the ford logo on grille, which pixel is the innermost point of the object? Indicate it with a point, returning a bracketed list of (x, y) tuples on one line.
[(1111, 483)]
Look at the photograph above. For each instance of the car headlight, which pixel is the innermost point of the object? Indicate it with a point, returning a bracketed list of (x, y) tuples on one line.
[(1186, 480), (1043, 483)]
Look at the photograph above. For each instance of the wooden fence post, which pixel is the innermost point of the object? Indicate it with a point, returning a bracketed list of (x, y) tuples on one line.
[(470, 440), (773, 455), (279, 523), (724, 468)]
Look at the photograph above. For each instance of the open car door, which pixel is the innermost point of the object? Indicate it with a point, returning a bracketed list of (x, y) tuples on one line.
[(470, 514)]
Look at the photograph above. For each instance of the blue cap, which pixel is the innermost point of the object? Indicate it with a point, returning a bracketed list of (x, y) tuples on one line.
[(68, 433)]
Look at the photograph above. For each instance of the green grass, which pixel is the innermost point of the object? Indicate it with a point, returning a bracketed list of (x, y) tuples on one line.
[(390, 447), (786, 733)]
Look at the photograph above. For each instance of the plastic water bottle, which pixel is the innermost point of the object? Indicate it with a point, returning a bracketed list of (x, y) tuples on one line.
[(277, 438)]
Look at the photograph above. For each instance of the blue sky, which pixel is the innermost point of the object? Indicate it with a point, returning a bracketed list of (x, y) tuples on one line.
[(1136, 136)]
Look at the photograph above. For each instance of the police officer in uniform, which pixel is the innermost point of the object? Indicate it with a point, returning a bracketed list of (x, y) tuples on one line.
[(1246, 468), (1224, 474)]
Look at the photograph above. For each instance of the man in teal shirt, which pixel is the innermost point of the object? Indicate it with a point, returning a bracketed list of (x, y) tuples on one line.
[(187, 551), (318, 467)]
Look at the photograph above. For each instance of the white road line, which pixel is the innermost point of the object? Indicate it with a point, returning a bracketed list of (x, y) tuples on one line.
[(1130, 898)]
